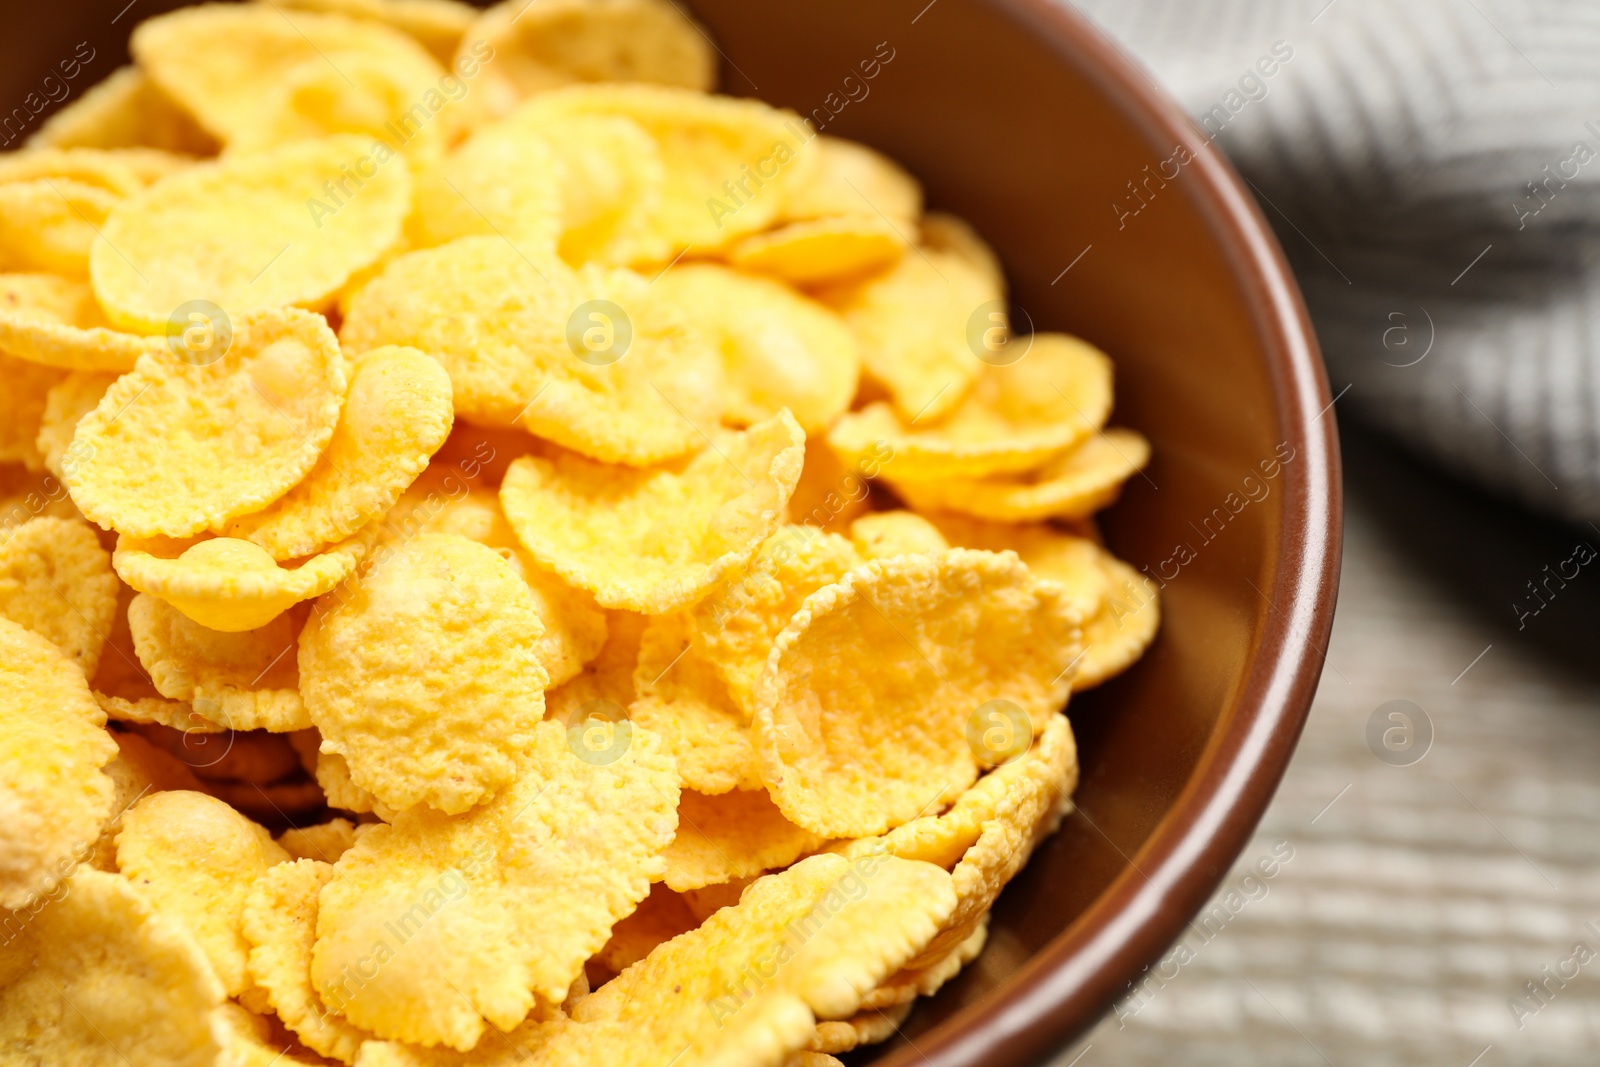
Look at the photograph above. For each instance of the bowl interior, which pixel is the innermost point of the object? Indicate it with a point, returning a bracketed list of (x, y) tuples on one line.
[(1038, 140)]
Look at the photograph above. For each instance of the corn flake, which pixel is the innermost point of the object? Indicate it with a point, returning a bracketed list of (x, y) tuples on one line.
[(820, 252), (1074, 484), (326, 841), (655, 540), (195, 859), (50, 224), (828, 928), (681, 699), (779, 348), (594, 362), (395, 416), (51, 752), (896, 533), (443, 717), (175, 448), (222, 63), (1016, 418), (126, 110), (911, 322), (847, 752), (734, 627), (56, 580), (22, 410), (67, 402), (734, 835), (99, 971), (55, 321), (231, 585), (504, 904), (279, 922), (249, 232), (728, 163), (562, 42)]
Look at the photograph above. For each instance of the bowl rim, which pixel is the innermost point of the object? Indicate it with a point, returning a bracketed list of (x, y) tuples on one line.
[(1064, 989)]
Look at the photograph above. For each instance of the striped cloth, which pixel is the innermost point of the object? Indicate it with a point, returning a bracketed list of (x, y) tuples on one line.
[(1432, 168)]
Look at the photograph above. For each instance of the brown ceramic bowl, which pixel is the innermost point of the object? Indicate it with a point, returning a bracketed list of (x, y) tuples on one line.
[(1020, 117)]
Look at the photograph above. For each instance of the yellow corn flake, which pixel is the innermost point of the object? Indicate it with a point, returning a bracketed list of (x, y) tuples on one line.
[(807, 1058), (852, 179), (140, 768), (947, 233), (595, 362), (22, 410), (51, 752), (611, 178), (829, 495), (126, 110), (944, 838), (250, 1040), (561, 42), (912, 322), (177, 447), (55, 321), (574, 625), (866, 1028), (229, 65), (655, 540), (1016, 418), (728, 163), (445, 728), (326, 841), (245, 680), (101, 973), (56, 580), (195, 859), (396, 415), (231, 585), (438, 25), (156, 711), (659, 918), (504, 904), (67, 402), (1117, 635), (825, 251), (927, 980), (254, 231), (779, 349), (465, 194), (848, 752), (332, 773), (681, 699), (399, 101), (1074, 484), (1032, 808), (279, 922), (896, 533), (831, 929), (1072, 562), (49, 224), (734, 835), (734, 627), (608, 677), (87, 166)]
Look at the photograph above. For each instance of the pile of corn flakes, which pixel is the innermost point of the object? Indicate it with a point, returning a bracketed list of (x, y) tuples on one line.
[(509, 557)]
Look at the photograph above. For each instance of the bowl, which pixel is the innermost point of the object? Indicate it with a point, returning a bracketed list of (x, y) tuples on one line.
[(1119, 221)]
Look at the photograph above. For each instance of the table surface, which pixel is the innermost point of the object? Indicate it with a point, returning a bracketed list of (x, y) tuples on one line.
[(1418, 899)]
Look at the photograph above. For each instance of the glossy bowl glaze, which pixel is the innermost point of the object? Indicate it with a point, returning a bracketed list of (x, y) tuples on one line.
[(1119, 221)]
